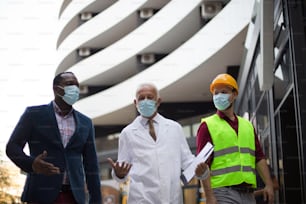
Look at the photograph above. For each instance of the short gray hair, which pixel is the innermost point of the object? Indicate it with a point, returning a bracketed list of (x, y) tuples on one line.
[(140, 86)]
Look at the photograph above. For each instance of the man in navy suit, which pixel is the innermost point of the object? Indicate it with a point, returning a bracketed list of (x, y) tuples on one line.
[(62, 164)]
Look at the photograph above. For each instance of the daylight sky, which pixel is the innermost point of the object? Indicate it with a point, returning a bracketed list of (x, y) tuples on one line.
[(28, 31)]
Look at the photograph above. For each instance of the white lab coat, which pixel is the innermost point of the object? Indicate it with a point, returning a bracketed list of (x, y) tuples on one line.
[(156, 166)]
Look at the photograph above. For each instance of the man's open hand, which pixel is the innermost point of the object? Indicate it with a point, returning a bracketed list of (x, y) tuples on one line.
[(42, 167)]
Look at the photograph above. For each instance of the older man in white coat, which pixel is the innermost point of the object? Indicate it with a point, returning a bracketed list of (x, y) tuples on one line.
[(153, 163)]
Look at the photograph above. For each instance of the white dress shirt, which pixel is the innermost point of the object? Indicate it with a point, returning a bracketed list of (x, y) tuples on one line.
[(156, 165)]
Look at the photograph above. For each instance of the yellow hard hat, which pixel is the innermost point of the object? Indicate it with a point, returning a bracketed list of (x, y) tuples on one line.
[(225, 79)]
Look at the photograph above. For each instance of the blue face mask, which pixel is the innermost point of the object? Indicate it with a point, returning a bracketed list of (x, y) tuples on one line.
[(72, 93), (147, 107), (221, 101)]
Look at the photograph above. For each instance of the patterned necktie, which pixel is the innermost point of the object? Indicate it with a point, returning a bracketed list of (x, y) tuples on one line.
[(151, 130)]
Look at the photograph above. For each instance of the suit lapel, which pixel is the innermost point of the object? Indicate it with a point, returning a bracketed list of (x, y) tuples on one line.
[(53, 121), (77, 126)]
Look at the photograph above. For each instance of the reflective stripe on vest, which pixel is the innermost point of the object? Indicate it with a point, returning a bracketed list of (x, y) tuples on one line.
[(234, 157)]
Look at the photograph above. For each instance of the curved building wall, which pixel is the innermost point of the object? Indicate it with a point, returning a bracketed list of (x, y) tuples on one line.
[(178, 45)]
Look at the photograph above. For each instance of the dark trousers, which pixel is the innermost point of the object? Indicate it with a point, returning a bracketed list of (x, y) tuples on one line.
[(65, 198)]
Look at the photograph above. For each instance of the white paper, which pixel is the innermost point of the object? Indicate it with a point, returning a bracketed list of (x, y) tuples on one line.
[(189, 173)]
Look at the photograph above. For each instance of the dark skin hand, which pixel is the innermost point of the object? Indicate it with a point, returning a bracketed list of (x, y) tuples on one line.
[(121, 170), (40, 166)]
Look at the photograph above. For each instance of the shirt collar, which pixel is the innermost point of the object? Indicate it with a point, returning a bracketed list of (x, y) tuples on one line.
[(59, 111), (144, 121), (224, 117)]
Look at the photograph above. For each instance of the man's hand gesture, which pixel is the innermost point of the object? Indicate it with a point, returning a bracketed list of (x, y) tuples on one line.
[(40, 166), (121, 170)]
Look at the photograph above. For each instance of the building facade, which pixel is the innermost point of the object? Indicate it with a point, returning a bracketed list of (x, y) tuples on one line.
[(272, 91)]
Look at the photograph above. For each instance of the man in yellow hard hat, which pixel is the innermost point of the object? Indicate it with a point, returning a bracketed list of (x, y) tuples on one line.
[(237, 154)]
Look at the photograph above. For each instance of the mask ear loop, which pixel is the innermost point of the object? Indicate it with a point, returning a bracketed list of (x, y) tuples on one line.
[(62, 89), (232, 95)]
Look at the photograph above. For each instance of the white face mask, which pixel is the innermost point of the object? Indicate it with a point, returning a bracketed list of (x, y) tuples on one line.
[(71, 95), (221, 101), (146, 107)]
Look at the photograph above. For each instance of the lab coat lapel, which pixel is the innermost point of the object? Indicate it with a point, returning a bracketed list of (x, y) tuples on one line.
[(163, 129), (141, 132)]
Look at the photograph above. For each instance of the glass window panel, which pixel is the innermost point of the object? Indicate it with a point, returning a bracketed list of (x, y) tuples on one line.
[(282, 78), (262, 116), (257, 92), (251, 103)]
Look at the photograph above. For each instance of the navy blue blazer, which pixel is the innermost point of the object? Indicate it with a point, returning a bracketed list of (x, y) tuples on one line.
[(38, 127)]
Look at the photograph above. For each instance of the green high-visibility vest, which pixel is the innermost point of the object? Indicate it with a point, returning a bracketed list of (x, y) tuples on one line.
[(234, 157)]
